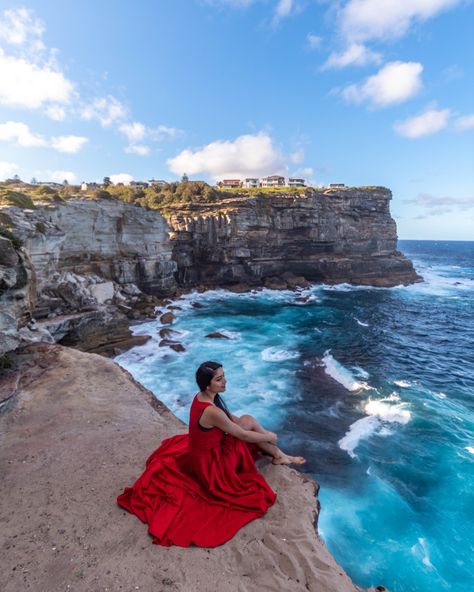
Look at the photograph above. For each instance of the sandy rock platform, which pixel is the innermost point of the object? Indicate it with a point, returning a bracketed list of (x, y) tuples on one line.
[(76, 431)]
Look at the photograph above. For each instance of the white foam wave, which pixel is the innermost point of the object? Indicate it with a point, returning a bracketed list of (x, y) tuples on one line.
[(361, 323), (360, 430), (379, 413), (402, 383), (421, 550), (387, 412), (229, 334), (341, 374), (470, 449), (275, 354), (360, 372), (439, 281)]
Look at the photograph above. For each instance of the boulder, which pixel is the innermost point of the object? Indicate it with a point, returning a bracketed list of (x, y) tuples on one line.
[(217, 335), (275, 283), (167, 318), (102, 292), (175, 345)]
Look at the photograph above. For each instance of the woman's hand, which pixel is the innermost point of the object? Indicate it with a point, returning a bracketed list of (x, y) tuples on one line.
[(271, 437)]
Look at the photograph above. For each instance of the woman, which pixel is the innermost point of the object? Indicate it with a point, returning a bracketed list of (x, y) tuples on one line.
[(200, 488)]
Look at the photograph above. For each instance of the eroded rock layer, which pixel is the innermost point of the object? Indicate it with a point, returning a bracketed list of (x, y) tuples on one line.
[(344, 235)]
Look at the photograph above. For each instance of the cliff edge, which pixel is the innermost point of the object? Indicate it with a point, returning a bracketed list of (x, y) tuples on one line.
[(77, 429)]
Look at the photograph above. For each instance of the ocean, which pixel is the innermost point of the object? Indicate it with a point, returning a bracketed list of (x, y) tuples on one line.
[(374, 386)]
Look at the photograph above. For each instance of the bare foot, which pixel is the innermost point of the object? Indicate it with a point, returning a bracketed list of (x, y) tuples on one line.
[(286, 459)]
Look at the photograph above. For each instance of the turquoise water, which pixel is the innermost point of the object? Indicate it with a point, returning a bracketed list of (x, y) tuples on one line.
[(375, 387)]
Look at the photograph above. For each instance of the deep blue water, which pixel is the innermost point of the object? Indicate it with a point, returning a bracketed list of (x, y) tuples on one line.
[(375, 387)]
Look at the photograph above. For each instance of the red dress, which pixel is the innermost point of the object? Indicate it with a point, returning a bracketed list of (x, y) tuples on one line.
[(198, 488)]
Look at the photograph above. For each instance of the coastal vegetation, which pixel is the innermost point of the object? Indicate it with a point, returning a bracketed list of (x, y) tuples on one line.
[(156, 197)]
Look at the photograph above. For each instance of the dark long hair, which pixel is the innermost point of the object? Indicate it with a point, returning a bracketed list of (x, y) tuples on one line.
[(204, 375)]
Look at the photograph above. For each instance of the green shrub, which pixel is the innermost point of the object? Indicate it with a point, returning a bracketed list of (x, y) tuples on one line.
[(5, 232), (101, 194), (15, 198), (40, 227), (44, 190)]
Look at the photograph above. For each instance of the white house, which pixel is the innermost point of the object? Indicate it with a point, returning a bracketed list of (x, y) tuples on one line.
[(273, 181), (157, 182), (139, 184), (89, 186), (251, 182), (294, 182)]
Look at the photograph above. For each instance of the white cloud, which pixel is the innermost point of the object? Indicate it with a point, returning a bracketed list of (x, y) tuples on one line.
[(297, 156), (282, 10), (24, 84), (69, 144), (163, 131), (356, 54), (138, 149), (124, 178), (248, 155), (106, 110), (465, 123), (133, 131), (19, 27), (363, 20), (6, 169), (394, 83), (314, 41), (15, 131), (60, 176), (56, 112), (426, 124)]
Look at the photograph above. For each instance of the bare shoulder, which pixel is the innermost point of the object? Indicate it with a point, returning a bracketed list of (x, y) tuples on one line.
[(212, 417)]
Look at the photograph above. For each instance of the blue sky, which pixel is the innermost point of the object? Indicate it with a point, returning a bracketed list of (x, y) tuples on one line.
[(362, 92)]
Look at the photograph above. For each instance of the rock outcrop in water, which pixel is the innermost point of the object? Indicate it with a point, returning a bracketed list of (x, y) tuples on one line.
[(97, 261)]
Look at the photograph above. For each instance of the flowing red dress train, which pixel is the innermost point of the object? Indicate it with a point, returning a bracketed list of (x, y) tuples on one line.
[(198, 488)]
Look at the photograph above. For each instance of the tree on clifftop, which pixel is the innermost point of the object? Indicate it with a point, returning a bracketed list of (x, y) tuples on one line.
[(106, 182)]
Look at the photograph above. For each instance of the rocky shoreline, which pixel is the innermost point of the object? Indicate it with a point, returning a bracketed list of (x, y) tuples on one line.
[(77, 272), (74, 430)]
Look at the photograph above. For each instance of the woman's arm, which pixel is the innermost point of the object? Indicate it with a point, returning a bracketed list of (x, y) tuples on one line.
[(215, 418)]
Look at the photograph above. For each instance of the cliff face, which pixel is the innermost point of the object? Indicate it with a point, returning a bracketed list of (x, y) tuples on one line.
[(108, 238), (97, 261), (17, 293), (329, 236)]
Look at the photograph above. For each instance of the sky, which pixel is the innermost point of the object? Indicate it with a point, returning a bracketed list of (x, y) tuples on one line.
[(361, 92)]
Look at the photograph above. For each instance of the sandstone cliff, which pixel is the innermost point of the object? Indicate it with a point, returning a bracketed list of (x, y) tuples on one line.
[(92, 263), (343, 235)]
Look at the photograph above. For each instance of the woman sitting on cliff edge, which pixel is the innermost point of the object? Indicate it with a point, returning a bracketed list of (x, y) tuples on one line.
[(200, 488)]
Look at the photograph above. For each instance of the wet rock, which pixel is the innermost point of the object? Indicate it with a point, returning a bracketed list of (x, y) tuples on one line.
[(167, 318), (275, 283), (239, 288), (167, 333), (197, 305), (174, 307), (175, 345), (217, 335)]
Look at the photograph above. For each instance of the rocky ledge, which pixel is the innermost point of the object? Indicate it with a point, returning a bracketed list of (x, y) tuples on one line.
[(74, 430)]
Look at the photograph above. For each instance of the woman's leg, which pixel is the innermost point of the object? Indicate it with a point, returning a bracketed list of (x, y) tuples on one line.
[(247, 422)]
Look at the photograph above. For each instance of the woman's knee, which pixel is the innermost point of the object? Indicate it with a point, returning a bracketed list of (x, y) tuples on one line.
[(247, 422)]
